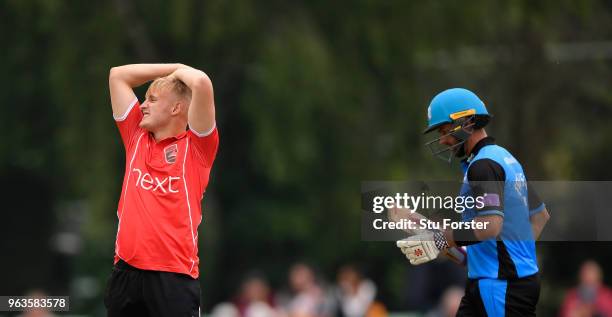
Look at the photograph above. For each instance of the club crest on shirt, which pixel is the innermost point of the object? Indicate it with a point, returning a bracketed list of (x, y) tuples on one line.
[(170, 153)]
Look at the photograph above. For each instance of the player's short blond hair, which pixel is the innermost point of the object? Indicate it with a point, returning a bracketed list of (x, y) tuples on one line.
[(173, 84)]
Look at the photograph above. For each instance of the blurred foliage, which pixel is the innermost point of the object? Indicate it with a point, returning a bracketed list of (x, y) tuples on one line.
[(312, 98)]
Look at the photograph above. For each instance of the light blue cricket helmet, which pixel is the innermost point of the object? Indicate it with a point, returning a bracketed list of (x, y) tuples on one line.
[(453, 104)]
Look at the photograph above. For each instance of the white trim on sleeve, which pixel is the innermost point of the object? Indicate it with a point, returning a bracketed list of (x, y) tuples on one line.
[(489, 212), (193, 239), (537, 210), (207, 133), (124, 194), (127, 112)]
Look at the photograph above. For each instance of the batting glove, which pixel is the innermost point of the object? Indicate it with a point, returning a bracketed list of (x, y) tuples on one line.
[(423, 247)]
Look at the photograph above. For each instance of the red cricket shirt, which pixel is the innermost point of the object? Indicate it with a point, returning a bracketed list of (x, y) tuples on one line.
[(160, 206)]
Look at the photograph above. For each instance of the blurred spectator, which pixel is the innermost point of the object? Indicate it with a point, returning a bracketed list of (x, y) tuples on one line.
[(377, 309), (260, 309), (591, 297), (309, 298), (449, 303), (225, 310), (255, 297), (37, 311), (356, 294), (425, 284)]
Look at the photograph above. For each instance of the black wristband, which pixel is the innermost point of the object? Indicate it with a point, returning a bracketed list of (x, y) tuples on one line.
[(464, 237), (440, 240)]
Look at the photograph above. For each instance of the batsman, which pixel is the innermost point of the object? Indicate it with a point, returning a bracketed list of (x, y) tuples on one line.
[(501, 259)]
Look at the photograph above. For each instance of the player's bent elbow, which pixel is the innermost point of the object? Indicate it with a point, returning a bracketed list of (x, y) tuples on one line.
[(541, 217), (546, 215), (202, 82), (114, 73)]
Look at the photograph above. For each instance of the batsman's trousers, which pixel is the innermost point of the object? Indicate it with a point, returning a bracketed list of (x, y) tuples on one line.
[(500, 298)]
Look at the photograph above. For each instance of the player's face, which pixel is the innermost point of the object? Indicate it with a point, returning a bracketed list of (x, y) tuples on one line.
[(157, 109), (446, 138), (446, 145)]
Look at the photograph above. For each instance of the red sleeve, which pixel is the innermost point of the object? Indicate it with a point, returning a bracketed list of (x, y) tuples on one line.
[(128, 123), (206, 145)]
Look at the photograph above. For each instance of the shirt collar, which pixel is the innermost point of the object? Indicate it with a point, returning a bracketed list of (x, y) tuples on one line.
[(171, 138), (479, 145), (180, 135)]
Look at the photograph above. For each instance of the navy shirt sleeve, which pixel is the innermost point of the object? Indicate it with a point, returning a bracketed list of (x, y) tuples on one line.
[(487, 179), (535, 203)]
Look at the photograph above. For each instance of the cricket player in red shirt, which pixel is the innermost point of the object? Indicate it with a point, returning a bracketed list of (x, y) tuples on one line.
[(170, 142)]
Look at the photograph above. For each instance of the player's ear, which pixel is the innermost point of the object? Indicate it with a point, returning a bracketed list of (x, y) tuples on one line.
[(177, 107)]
